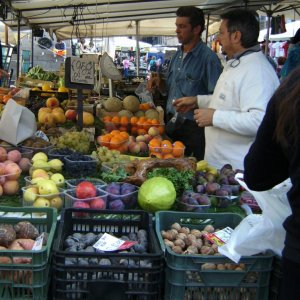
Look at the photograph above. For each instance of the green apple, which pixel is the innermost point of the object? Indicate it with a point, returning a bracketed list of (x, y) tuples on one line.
[(40, 156), (41, 202), (56, 202), (30, 194), (58, 179), (47, 187), (55, 165), (39, 173)]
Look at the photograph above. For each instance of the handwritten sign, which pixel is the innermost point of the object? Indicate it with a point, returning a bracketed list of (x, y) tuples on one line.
[(82, 71)]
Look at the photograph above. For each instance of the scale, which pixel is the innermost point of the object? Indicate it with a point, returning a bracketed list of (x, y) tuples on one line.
[(109, 69)]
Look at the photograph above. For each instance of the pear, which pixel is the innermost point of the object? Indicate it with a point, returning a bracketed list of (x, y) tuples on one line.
[(36, 180), (30, 194), (40, 156), (39, 173), (41, 202), (56, 202), (41, 164), (55, 165), (47, 187), (58, 179)]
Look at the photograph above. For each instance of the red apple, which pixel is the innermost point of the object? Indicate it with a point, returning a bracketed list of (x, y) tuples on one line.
[(85, 190), (97, 203), (52, 102), (153, 131), (140, 138), (143, 147), (134, 148), (71, 114)]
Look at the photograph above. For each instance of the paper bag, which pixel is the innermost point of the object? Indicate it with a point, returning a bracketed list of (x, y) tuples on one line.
[(17, 123)]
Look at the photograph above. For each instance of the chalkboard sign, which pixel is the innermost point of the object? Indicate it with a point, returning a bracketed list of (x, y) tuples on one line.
[(82, 71)]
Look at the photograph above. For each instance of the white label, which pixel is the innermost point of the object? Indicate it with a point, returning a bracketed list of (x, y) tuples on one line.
[(110, 243), (38, 244), (42, 135), (82, 71), (220, 237)]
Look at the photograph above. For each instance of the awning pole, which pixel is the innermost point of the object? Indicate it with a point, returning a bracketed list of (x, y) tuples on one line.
[(18, 46), (206, 36), (269, 14), (32, 48), (137, 60)]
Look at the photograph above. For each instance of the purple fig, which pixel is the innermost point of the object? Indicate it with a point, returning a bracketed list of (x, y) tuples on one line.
[(200, 188), (116, 205), (232, 180), (192, 201), (127, 188), (223, 179), (227, 187), (113, 188), (222, 192), (203, 200), (211, 187), (210, 177)]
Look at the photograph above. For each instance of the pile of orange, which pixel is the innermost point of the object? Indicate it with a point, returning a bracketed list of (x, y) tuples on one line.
[(5, 97), (165, 149), (145, 106), (116, 139), (134, 125)]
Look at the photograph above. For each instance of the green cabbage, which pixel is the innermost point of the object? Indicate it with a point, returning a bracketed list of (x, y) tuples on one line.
[(157, 193)]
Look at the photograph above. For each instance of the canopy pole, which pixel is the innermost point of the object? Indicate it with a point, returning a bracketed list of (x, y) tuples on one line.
[(32, 47), (269, 14), (18, 46), (206, 35), (137, 61), (6, 34)]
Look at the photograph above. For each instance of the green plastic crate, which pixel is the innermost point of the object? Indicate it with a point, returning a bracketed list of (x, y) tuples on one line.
[(186, 280), (30, 280)]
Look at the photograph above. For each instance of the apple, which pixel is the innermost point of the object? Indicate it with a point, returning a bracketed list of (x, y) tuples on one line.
[(47, 187), (31, 194), (131, 139), (1, 190), (134, 148), (98, 203), (140, 138), (148, 138), (10, 187), (71, 114), (143, 147), (85, 189), (56, 202), (81, 204), (41, 202), (52, 102), (153, 131), (58, 179)]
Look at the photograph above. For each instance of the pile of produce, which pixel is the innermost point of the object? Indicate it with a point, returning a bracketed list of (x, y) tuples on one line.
[(37, 72)]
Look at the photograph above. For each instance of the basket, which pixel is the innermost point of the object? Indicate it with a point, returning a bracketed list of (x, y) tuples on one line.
[(31, 280), (139, 279), (81, 168), (185, 278), (275, 280)]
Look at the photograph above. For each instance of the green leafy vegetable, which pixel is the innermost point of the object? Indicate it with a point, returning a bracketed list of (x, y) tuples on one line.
[(182, 180), (114, 175)]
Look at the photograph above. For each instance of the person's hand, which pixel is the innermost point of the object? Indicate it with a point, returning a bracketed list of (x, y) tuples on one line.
[(185, 104), (204, 116)]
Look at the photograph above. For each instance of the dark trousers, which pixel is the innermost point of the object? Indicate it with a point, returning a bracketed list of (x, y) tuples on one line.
[(192, 136)]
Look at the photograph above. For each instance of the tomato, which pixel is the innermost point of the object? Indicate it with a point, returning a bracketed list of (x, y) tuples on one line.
[(85, 190)]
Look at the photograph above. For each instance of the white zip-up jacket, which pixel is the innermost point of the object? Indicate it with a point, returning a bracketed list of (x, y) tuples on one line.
[(240, 99)]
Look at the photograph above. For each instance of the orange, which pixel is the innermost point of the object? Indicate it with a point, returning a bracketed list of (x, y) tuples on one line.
[(107, 118), (134, 120), (154, 122), (124, 121), (142, 106), (178, 149), (115, 142), (124, 134), (147, 125), (166, 147), (142, 120), (141, 131), (134, 130), (168, 155), (161, 129), (154, 145), (115, 119), (156, 155), (115, 132), (123, 128), (104, 140), (147, 106)]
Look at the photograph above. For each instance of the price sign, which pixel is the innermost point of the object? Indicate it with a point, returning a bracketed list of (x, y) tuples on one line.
[(82, 71)]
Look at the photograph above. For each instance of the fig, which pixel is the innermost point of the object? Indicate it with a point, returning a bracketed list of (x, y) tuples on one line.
[(127, 188), (232, 180), (116, 205), (200, 188), (113, 188), (203, 200), (211, 187), (223, 179), (210, 177), (222, 192)]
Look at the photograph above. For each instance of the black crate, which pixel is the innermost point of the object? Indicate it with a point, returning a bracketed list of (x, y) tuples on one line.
[(275, 279), (129, 276)]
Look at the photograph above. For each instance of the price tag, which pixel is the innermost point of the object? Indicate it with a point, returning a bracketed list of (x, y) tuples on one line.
[(110, 243), (220, 237), (38, 243), (42, 135), (82, 71)]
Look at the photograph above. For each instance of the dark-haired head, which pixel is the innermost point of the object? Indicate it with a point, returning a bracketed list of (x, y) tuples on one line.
[(195, 15), (244, 21), (296, 38)]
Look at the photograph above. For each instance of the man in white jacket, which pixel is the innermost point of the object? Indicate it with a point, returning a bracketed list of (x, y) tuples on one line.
[(232, 115)]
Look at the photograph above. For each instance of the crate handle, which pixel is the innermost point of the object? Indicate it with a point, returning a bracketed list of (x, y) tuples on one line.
[(196, 221)]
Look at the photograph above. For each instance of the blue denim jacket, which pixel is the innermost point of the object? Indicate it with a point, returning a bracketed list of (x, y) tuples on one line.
[(197, 74)]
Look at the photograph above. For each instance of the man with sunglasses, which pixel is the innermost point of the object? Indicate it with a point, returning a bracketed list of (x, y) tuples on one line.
[(232, 115), (194, 70)]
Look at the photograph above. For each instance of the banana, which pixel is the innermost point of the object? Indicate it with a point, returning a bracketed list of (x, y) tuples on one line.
[(202, 165)]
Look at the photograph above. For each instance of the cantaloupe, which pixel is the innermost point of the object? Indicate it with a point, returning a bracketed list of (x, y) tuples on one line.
[(131, 103)]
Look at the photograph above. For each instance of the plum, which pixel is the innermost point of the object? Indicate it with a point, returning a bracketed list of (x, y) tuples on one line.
[(200, 188), (232, 180), (211, 187), (223, 179), (192, 201), (203, 199), (127, 188), (113, 188), (222, 192), (210, 177), (247, 197), (225, 168), (116, 205)]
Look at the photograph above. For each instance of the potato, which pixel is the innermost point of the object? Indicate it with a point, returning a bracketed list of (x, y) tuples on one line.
[(168, 243), (198, 243), (209, 228), (221, 267), (177, 249), (191, 250), (205, 250), (182, 236), (197, 233), (208, 266), (176, 226), (179, 243), (185, 230)]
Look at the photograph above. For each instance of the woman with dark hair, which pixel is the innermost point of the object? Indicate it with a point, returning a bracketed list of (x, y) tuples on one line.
[(275, 156), (293, 59)]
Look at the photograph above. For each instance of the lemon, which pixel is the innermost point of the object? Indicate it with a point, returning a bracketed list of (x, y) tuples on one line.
[(63, 89), (46, 87)]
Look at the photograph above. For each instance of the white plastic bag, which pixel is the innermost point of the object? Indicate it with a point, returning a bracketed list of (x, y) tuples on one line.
[(258, 233), (143, 94)]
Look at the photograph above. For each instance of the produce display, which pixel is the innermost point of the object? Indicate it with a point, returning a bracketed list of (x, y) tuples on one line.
[(80, 164), (37, 72)]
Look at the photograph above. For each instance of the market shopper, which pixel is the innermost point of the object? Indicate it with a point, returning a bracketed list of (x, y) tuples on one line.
[(194, 70), (293, 59), (126, 67), (275, 156), (232, 115)]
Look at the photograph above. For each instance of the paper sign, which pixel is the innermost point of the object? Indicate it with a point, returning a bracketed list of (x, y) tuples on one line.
[(42, 135), (82, 71), (110, 243), (220, 237), (38, 243)]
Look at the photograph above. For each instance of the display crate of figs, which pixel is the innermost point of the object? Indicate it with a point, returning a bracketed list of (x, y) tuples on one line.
[(194, 267), (24, 269), (81, 165), (82, 272)]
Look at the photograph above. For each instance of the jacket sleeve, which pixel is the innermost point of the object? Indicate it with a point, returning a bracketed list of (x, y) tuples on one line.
[(265, 164)]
